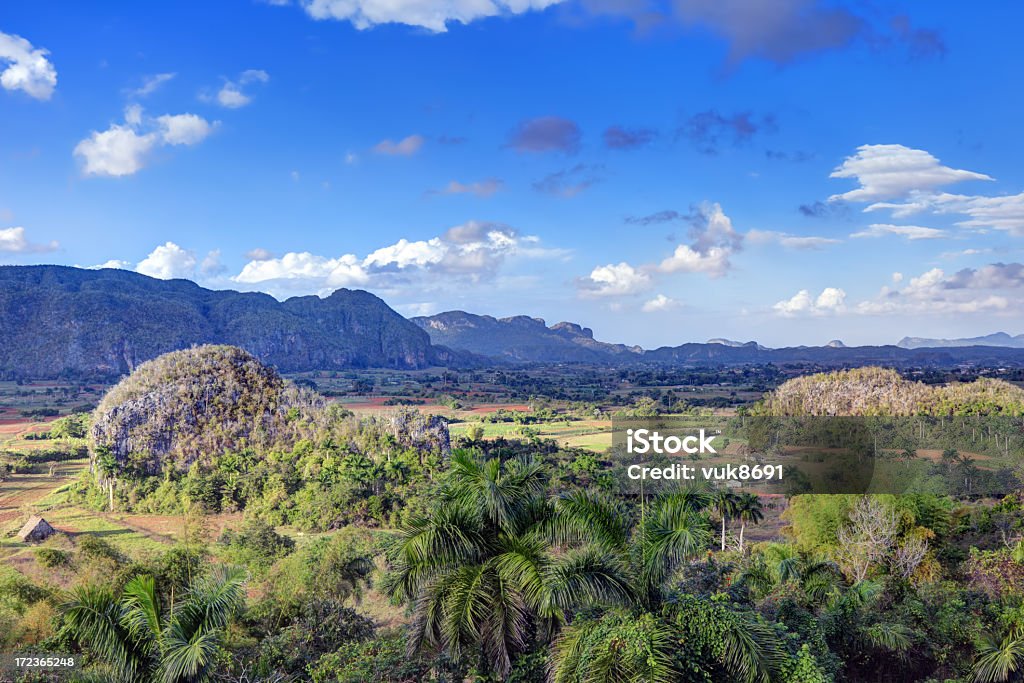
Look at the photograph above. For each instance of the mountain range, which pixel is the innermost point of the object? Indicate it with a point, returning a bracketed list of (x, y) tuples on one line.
[(997, 339), (58, 321)]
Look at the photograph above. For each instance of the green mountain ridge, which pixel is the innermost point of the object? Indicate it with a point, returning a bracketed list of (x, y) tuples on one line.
[(61, 321)]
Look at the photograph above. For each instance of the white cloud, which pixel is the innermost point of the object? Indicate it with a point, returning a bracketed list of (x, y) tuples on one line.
[(614, 280), (895, 171), (184, 129), (714, 242), (831, 300), (27, 68), (306, 269), (168, 261), (150, 84), (232, 96), (404, 253), (787, 241), (467, 252), (1001, 212), (427, 14), (713, 261), (14, 241), (992, 288), (112, 263), (404, 147), (911, 232), (123, 149), (659, 304), (117, 151)]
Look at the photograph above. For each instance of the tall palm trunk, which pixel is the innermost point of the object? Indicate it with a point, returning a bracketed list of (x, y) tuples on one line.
[(723, 531)]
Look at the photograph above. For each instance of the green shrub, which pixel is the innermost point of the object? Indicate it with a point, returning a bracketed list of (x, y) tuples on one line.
[(52, 557)]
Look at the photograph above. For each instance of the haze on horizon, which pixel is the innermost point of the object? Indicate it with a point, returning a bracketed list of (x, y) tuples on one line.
[(666, 175)]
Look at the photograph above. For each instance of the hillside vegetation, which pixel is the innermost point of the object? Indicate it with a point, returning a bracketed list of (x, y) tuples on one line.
[(882, 391), (57, 321), (215, 427), (177, 408)]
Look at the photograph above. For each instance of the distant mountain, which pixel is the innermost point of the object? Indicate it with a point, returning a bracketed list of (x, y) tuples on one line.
[(830, 356), (997, 339), (521, 339), (836, 344), (56, 320), (735, 344)]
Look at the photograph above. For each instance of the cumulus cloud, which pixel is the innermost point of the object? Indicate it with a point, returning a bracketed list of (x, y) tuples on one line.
[(152, 83), (26, 68), (993, 288), (660, 304), (546, 134), (910, 232), (569, 182), (433, 16), (620, 137), (787, 241), (614, 279), (895, 172), (14, 241), (709, 131), (830, 300), (183, 129), (305, 269), (469, 252), (714, 240), (118, 151), (168, 261), (480, 188), (123, 149), (232, 94), (405, 147)]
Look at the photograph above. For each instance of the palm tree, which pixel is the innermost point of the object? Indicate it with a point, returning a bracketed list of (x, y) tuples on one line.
[(106, 465), (748, 509), (139, 640), (481, 570), (1000, 657), (724, 504), (778, 564)]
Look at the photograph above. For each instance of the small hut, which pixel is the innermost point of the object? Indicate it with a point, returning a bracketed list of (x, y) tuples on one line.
[(36, 529)]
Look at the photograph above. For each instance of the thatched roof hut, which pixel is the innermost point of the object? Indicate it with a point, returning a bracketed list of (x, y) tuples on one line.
[(36, 529)]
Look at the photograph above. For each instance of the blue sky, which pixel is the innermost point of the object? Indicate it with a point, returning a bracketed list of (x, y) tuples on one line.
[(789, 171)]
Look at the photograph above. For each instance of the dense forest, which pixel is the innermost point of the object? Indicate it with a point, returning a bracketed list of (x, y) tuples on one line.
[(504, 559)]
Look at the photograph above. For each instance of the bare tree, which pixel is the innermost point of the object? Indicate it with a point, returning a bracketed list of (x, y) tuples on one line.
[(867, 538), (908, 555)]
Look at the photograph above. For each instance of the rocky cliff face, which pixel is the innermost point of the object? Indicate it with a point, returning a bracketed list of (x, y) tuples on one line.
[(520, 338), (58, 321), (197, 403)]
